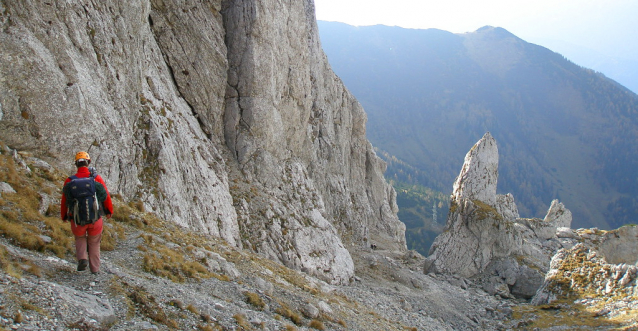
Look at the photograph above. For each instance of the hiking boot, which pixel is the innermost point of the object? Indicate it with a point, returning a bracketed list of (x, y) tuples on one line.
[(82, 264)]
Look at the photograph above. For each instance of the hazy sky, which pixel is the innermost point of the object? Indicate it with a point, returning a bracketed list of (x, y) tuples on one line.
[(609, 27)]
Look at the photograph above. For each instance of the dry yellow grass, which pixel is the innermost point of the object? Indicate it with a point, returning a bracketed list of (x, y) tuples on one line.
[(242, 322), (288, 313), (173, 264), (20, 219), (192, 309), (255, 300), (316, 324)]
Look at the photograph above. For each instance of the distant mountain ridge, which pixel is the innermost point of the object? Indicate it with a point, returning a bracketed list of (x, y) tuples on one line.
[(566, 132), (623, 69)]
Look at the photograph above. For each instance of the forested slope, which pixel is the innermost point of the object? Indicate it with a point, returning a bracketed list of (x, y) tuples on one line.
[(565, 131)]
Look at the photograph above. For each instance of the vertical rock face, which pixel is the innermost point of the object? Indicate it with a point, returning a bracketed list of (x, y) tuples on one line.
[(219, 115), (91, 76), (293, 127), (484, 236)]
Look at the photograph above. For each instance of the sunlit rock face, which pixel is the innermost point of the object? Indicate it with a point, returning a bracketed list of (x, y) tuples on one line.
[(479, 175), (485, 239), (582, 271), (218, 115)]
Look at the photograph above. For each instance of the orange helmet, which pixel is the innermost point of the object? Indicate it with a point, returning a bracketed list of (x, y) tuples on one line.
[(82, 156)]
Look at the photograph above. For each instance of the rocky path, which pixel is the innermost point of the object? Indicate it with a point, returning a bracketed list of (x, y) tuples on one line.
[(388, 293)]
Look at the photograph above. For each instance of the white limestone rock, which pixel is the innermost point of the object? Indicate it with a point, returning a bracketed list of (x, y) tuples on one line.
[(506, 206), (478, 177), (620, 245), (558, 216), (597, 277), (485, 236), (6, 188), (220, 116), (104, 69), (565, 232)]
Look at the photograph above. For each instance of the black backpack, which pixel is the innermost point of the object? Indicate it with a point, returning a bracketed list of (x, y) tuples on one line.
[(82, 204)]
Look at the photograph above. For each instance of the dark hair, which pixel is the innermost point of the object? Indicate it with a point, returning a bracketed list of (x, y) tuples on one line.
[(82, 163)]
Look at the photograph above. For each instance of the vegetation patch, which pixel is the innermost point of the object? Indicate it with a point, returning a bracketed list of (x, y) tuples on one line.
[(8, 265), (170, 263), (316, 324), (242, 321), (288, 313), (255, 300), (560, 313), (20, 220), (484, 211), (578, 277), (140, 301)]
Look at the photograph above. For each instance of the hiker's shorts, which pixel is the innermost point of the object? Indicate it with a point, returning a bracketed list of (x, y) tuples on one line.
[(93, 229)]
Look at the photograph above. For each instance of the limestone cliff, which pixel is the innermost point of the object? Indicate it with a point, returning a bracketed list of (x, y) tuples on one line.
[(485, 238), (218, 115)]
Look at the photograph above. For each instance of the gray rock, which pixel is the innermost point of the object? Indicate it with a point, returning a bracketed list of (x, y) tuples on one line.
[(184, 106), (40, 164), (310, 311), (565, 232), (620, 245), (229, 270), (506, 206), (558, 215), (484, 235), (87, 304), (265, 286), (324, 307), (567, 243), (477, 180), (46, 239), (497, 286), (6, 188), (527, 282)]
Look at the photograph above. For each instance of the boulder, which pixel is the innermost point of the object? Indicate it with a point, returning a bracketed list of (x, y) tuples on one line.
[(89, 305), (6, 188)]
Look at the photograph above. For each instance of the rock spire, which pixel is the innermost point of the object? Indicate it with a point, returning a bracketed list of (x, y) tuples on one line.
[(485, 238)]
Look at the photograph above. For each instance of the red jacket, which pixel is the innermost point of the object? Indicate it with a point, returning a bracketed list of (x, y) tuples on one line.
[(82, 173)]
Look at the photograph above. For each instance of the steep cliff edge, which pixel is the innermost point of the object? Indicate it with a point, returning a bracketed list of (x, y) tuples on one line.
[(222, 116)]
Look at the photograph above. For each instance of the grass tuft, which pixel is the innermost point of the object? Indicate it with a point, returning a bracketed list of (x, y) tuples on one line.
[(241, 321), (316, 324), (192, 309), (144, 303), (255, 300), (286, 312)]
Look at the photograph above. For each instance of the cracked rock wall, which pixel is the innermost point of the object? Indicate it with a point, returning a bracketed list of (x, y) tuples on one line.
[(222, 116)]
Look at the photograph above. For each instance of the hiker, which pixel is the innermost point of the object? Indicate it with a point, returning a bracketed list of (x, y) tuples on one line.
[(85, 199)]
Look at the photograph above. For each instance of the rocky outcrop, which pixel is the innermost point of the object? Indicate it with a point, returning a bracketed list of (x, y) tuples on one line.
[(218, 115), (485, 239), (601, 268)]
